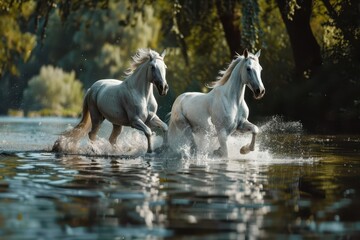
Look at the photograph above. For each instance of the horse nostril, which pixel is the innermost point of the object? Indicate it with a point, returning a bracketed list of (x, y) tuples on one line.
[(163, 89), (263, 92), (257, 91)]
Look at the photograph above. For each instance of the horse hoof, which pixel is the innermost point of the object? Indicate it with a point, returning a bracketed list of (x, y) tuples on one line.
[(161, 149), (150, 154), (245, 149), (57, 147), (219, 153)]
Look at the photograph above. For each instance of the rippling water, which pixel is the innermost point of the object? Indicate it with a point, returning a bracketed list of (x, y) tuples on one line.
[(294, 185)]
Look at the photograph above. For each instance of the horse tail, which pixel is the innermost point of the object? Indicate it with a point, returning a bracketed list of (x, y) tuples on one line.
[(80, 130)]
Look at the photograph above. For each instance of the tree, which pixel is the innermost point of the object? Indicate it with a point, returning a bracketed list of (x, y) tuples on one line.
[(343, 15), (306, 50), (238, 18), (92, 40), (15, 44), (229, 16), (95, 38), (54, 92)]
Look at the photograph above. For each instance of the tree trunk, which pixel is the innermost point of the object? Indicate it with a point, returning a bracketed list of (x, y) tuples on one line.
[(306, 50), (230, 21)]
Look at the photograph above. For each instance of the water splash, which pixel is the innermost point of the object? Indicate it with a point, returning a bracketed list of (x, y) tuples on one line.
[(276, 124), (278, 142), (130, 142)]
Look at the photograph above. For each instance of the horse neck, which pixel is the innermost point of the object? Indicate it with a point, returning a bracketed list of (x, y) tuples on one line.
[(139, 81), (235, 88)]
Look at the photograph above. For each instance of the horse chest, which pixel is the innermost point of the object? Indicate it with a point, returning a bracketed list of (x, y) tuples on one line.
[(235, 114), (139, 108)]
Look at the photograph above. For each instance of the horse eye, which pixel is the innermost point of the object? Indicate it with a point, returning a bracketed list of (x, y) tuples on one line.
[(248, 69), (153, 68)]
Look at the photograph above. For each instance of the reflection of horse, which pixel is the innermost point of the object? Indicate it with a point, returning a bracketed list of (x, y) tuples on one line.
[(223, 108), (128, 103)]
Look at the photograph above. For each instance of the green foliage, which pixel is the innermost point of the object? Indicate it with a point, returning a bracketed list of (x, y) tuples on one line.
[(94, 43), (205, 52), (94, 39), (54, 92), (342, 30), (292, 6), (15, 45)]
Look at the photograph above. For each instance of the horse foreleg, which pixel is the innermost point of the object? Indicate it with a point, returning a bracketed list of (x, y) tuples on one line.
[(155, 121), (222, 137), (115, 133), (140, 125), (246, 127)]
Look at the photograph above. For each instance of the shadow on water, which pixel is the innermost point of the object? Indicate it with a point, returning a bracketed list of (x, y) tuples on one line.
[(294, 185)]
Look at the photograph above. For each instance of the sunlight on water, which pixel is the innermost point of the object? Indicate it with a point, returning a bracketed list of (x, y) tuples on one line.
[(292, 185), (266, 147), (268, 151), (133, 143)]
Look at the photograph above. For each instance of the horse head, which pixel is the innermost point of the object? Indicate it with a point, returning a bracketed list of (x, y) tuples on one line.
[(158, 73), (251, 73)]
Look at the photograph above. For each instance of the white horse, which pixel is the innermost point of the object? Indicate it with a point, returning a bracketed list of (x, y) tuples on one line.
[(124, 103), (223, 110)]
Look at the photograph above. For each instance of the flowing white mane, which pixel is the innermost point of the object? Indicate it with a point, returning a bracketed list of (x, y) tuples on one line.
[(224, 75), (140, 57)]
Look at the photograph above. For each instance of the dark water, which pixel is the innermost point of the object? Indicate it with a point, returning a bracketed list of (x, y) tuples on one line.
[(294, 186)]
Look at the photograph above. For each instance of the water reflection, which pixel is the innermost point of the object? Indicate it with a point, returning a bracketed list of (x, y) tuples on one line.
[(275, 192)]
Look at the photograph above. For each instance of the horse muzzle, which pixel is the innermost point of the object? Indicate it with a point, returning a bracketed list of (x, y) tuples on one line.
[(259, 93), (162, 89)]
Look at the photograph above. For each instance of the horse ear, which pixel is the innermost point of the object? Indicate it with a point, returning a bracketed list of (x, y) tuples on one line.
[(163, 53), (246, 53), (258, 53)]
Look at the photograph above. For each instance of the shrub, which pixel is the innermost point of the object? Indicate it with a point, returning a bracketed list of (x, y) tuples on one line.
[(55, 92)]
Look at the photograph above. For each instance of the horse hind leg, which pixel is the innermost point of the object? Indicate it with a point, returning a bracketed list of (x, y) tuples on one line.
[(96, 120), (94, 129), (184, 125), (114, 134), (189, 133)]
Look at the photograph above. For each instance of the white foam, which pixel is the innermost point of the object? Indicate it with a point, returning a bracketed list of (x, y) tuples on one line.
[(130, 142), (134, 143), (266, 152)]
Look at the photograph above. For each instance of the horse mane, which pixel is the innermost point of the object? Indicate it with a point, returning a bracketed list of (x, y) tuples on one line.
[(224, 75), (140, 57)]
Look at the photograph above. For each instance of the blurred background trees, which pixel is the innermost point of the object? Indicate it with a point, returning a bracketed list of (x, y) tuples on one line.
[(310, 49), (53, 92)]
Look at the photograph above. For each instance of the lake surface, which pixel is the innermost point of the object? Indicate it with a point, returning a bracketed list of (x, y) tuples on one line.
[(293, 186)]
